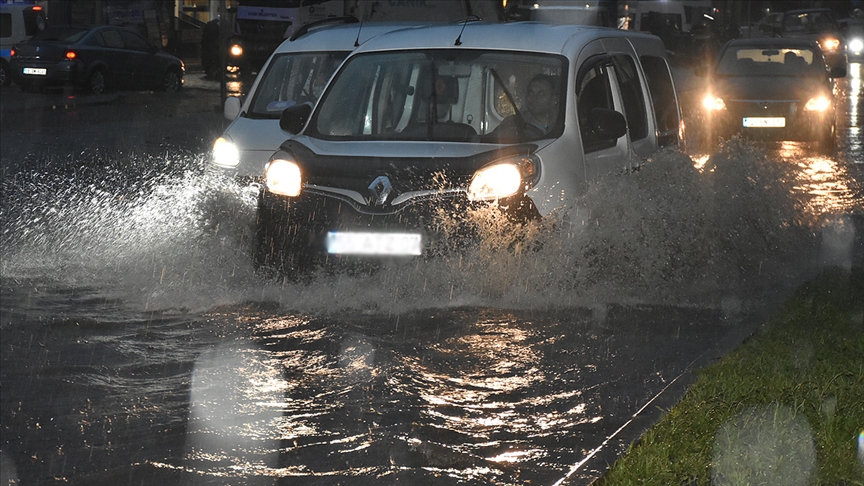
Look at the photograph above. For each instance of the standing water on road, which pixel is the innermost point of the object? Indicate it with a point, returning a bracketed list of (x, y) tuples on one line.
[(139, 346)]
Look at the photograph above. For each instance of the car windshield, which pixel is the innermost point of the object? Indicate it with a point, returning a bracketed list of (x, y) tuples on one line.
[(444, 95), (65, 35), (804, 22), (759, 61), (292, 79)]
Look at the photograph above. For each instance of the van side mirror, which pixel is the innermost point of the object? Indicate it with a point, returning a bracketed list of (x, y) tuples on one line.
[(838, 72), (294, 118), (607, 124), (231, 108)]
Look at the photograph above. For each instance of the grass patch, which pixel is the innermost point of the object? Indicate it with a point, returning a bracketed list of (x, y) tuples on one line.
[(786, 407)]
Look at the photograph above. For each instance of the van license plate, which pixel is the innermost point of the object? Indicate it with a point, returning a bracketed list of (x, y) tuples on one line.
[(765, 122), (36, 71), (393, 244)]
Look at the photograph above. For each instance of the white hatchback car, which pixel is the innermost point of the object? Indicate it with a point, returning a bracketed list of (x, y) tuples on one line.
[(296, 73), (444, 119)]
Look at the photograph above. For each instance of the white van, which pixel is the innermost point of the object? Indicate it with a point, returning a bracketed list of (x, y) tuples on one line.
[(17, 24), (296, 73), (446, 119)]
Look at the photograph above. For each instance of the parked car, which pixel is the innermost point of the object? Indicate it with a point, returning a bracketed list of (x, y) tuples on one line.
[(442, 121), (95, 59), (295, 73), (772, 88), (17, 24), (819, 24)]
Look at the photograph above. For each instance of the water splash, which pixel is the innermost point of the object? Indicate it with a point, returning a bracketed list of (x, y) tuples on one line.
[(675, 231)]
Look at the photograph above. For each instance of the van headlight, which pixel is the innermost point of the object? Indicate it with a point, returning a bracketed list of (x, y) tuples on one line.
[(283, 177), (856, 45), (503, 179), (225, 153)]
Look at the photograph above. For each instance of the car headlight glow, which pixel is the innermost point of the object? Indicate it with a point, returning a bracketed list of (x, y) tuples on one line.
[(817, 103), (225, 153), (713, 103), (284, 178), (503, 179), (856, 45), (830, 43), (235, 50)]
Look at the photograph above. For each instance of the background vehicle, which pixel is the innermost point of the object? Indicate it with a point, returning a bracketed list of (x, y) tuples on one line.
[(296, 73), (94, 58), (17, 24), (259, 26), (421, 127), (820, 25), (853, 34), (772, 89)]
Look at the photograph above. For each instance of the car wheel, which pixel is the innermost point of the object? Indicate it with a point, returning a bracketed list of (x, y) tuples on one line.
[(5, 74), (97, 84), (171, 82)]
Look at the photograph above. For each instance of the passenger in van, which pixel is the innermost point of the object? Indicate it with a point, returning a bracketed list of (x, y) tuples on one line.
[(541, 101)]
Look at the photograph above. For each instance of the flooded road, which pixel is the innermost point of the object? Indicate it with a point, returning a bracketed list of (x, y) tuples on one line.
[(139, 347)]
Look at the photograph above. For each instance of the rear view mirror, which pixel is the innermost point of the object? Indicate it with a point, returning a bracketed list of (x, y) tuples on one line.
[(294, 118), (231, 108), (838, 72), (607, 124), (770, 52)]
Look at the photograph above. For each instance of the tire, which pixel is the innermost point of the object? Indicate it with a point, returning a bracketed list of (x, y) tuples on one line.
[(5, 74), (171, 81), (97, 84)]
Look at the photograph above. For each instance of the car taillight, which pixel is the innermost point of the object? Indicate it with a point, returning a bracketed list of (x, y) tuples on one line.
[(12, 53), (71, 55)]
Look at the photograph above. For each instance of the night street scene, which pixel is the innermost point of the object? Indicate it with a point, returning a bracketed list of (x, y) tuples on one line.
[(431, 242)]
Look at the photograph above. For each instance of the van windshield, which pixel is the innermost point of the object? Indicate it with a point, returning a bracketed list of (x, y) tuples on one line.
[(293, 78), (445, 95)]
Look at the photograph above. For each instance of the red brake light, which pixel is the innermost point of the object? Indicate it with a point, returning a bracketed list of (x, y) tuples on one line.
[(37, 8), (12, 53), (71, 55)]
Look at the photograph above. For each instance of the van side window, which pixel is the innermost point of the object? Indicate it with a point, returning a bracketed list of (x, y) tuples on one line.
[(594, 91), (662, 99), (632, 97)]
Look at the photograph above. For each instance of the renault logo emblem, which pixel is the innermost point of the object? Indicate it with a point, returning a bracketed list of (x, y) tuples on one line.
[(380, 189)]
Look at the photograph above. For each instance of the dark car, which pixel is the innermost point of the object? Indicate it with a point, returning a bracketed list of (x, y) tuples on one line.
[(771, 88), (818, 24), (94, 59)]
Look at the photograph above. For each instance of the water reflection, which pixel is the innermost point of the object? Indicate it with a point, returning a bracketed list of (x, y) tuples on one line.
[(853, 119), (823, 180)]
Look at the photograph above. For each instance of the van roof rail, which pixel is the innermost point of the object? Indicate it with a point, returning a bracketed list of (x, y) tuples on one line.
[(346, 19)]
